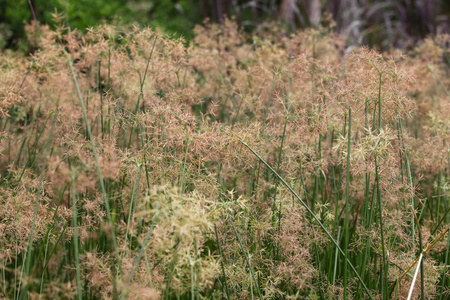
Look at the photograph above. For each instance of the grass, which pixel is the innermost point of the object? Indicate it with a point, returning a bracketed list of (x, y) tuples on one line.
[(235, 167)]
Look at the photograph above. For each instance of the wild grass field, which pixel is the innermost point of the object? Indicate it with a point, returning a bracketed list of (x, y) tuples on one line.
[(137, 166)]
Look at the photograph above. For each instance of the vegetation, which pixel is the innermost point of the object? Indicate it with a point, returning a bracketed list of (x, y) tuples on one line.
[(175, 18), (380, 24), (238, 166)]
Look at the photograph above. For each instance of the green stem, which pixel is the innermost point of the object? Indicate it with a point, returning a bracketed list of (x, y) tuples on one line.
[(94, 151), (246, 255), (311, 213), (347, 198)]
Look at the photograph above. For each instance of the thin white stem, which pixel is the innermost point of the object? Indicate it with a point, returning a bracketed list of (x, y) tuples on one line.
[(415, 277)]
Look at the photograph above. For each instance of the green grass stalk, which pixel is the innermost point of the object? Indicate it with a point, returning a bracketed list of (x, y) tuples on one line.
[(312, 214), (94, 150), (227, 292), (347, 199), (24, 292), (75, 238), (245, 255)]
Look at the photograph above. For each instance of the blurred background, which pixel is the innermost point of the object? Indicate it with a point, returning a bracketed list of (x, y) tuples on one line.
[(381, 24)]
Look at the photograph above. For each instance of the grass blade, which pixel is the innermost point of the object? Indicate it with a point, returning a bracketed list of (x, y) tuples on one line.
[(94, 150), (75, 237), (312, 214), (245, 254)]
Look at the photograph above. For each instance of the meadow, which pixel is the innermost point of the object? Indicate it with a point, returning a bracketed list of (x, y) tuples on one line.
[(135, 165)]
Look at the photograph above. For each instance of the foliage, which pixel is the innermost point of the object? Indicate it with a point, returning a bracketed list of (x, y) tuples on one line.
[(174, 17), (380, 24)]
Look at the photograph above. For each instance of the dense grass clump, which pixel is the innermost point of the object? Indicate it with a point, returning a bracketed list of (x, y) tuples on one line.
[(134, 166)]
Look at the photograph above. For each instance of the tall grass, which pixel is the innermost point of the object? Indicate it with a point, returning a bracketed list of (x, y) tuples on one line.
[(136, 166)]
